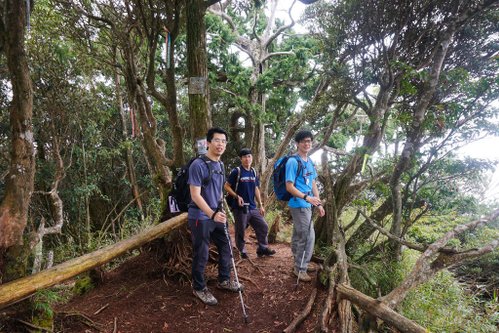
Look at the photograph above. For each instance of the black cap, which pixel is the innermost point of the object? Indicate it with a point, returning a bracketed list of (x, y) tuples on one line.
[(244, 151)]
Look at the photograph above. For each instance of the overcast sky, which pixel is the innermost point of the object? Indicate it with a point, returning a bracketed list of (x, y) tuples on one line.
[(487, 148)]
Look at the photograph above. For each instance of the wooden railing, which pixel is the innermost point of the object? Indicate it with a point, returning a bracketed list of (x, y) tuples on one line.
[(22, 288)]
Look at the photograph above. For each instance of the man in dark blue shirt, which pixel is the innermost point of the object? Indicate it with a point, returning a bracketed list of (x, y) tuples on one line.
[(244, 186), (206, 218)]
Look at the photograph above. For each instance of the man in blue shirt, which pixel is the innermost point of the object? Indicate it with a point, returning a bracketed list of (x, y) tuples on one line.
[(303, 187), (244, 185), (207, 220)]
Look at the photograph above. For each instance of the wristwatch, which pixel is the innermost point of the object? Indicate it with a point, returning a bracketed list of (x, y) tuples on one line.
[(305, 197)]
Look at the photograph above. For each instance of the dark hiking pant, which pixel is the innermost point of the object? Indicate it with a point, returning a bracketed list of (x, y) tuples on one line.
[(202, 231), (256, 221)]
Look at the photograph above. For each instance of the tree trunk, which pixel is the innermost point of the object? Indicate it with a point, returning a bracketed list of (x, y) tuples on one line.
[(171, 107), (258, 147), (415, 133), (130, 167), (168, 99), (88, 222), (139, 101), (20, 179), (255, 128), (199, 93)]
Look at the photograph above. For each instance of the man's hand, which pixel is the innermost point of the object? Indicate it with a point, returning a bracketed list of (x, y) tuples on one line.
[(240, 201), (262, 210), (220, 217), (322, 212), (315, 201)]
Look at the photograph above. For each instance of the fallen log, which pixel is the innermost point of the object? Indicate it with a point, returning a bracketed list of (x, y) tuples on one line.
[(19, 289), (379, 309)]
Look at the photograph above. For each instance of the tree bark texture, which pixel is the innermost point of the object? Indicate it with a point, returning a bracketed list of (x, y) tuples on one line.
[(379, 309), (199, 103), (56, 207), (154, 28), (130, 165), (19, 289), (20, 179), (329, 302), (139, 101)]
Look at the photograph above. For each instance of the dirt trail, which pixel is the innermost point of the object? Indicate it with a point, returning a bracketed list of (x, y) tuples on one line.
[(137, 298)]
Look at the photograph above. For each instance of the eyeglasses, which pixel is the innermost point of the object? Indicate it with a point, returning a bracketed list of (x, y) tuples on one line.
[(306, 141), (217, 140)]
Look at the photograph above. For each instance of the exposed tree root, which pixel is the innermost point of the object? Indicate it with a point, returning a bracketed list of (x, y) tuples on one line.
[(30, 325), (255, 266), (274, 230), (242, 277), (329, 302), (101, 309), (178, 256), (84, 319), (301, 317)]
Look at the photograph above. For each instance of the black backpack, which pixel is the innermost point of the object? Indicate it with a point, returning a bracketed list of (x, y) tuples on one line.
[(279, 177), (179, 197)]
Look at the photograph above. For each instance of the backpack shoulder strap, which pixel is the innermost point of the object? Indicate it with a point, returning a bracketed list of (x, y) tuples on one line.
[(254, 171), (237, 178), (301, 168), (207, 162)]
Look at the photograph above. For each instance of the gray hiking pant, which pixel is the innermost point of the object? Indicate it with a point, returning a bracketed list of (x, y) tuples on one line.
[(303, 238)]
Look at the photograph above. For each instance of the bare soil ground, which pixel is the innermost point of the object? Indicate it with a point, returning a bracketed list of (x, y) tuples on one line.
[(136, 297)]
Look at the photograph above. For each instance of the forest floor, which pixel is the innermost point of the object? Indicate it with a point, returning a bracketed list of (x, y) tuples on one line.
[(137, 297)]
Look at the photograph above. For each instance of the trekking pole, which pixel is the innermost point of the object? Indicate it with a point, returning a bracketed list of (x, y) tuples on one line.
[(303, 256), (235, 273)]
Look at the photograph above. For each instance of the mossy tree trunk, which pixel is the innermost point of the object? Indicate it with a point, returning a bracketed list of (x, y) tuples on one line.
[(199, 92), (20, 179), (139, 101)]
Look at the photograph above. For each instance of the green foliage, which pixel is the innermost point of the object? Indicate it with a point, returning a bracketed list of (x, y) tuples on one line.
[(83, 285), (429, 229), (43, 313), (433, 303), (378, 276)]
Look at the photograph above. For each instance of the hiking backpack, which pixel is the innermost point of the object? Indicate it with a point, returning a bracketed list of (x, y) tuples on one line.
[(179, 197), (279, 176)]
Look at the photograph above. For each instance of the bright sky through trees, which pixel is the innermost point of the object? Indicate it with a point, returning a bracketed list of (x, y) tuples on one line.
[(487, 148)]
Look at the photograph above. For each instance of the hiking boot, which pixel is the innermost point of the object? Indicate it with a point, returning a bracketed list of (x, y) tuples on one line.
[(265, 252), (311, 268), (302, 276), (243, 255), (230, 285), (205, 296)]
